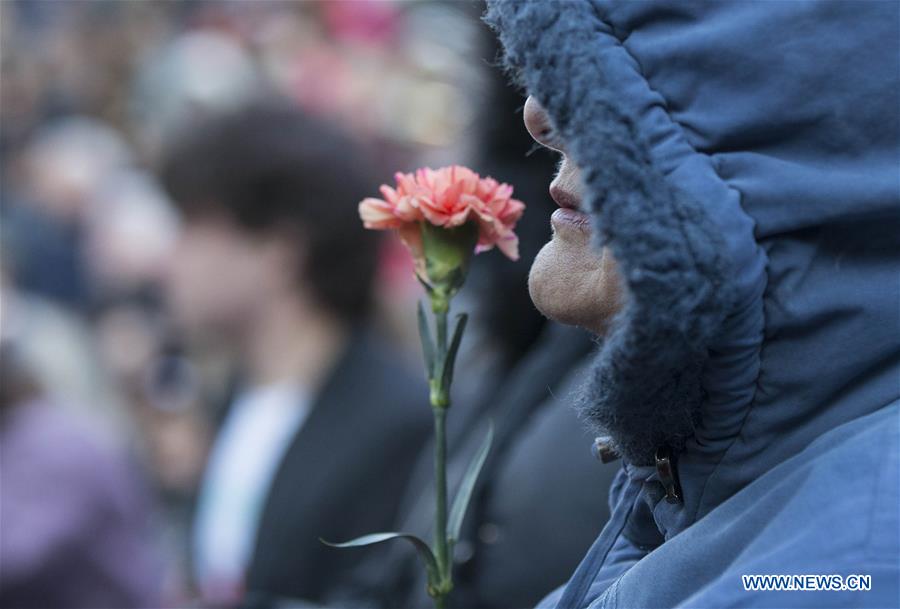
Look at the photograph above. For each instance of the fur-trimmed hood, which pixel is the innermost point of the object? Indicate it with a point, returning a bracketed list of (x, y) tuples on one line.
[(741, 161)]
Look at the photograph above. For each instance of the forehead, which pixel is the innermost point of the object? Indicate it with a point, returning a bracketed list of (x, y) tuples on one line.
[(211, 225)]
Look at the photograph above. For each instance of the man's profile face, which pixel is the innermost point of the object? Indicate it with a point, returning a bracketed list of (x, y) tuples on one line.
[(570, 281), (221, 275)]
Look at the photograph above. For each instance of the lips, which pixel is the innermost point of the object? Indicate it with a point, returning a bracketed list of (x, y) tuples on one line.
[(564, 198), (572, 218), (569, 214)]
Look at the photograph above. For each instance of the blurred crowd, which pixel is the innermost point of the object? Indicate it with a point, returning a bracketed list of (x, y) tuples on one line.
[(207, 364)]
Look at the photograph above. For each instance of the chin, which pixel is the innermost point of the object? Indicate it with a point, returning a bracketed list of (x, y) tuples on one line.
[(573, 284)]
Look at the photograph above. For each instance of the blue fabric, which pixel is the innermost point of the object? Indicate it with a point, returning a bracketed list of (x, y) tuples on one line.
[(741, 161)]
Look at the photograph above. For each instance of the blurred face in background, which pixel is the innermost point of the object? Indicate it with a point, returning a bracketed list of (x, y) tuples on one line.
[(221, 275), (570, 281)]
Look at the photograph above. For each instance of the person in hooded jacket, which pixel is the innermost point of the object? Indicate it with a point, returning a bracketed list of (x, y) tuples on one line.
[(730, 173)]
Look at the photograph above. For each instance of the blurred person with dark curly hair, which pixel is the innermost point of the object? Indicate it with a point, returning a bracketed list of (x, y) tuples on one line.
[(319, 436)]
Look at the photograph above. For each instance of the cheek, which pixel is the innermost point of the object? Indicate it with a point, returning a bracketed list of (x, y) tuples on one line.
[(214, 284), (571, 284)]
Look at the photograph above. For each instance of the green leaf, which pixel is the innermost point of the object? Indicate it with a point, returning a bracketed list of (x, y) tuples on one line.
[(464, 494), (421, 547), (427, 342), (450, 361)]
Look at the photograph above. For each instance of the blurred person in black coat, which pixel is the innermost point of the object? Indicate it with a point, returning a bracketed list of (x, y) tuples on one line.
[(539, 490), (324, 425), (541, 496)]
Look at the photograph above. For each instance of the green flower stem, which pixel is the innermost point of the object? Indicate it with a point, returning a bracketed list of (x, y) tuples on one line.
[(441, 547), (440, 307), (440, 602), (440, 395), (440, 402)]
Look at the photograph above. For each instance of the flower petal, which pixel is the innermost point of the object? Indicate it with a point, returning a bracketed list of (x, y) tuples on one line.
[(377, 214), (509, 245), (447, 197)]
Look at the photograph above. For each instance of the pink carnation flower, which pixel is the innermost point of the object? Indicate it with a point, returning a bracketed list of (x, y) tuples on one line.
[(447, 197)]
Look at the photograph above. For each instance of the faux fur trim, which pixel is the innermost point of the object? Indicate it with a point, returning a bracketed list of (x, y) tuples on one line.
[(644, 387)]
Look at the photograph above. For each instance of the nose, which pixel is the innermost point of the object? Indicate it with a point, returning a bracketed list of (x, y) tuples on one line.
[(538, 124)]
